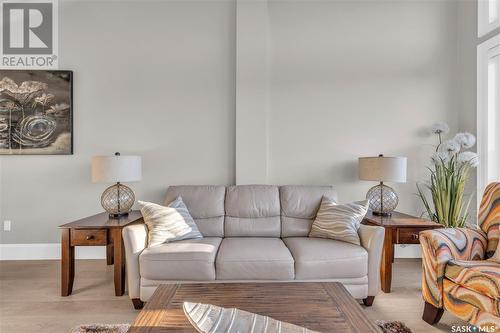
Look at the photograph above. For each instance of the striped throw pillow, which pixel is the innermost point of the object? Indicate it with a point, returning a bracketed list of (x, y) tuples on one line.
[(168, 224), (340, 222)]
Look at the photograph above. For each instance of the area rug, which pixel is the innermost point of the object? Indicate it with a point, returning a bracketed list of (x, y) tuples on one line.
[(392, 326), (101, 328)]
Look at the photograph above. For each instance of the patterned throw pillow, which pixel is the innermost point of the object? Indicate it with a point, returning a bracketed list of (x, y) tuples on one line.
[(340, 222), (168, 224)]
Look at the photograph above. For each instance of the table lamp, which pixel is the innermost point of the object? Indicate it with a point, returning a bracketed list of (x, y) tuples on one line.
[(117, 199), (383, 199)]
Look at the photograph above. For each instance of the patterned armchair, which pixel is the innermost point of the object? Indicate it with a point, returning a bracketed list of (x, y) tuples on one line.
[(459, 273)]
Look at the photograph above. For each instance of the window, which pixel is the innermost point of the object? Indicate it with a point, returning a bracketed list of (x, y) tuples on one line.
[(488, 16), (488, 112)]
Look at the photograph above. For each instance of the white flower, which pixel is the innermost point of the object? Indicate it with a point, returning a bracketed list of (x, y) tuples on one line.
[(440, 128), (466, 140), (439, 157), (450, 146), (468, 157)]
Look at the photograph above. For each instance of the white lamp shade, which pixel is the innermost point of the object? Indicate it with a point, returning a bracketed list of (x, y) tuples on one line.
[(383, 169), (113, 169)]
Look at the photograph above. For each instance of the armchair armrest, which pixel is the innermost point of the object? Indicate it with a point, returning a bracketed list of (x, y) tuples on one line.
[(372, 239), (439, 246), (135, 237)]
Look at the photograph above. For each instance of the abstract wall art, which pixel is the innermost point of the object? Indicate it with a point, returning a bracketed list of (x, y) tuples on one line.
[(36, 112)]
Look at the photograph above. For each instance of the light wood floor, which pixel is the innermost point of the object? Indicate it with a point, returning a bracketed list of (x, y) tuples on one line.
[(30, 301)]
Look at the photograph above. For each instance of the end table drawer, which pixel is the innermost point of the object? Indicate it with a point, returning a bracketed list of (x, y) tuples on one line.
[(88, 237), (408, 235)]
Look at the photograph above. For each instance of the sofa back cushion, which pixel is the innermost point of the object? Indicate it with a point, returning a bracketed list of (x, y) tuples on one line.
[(299, 205), (205, 204), (252, 211)]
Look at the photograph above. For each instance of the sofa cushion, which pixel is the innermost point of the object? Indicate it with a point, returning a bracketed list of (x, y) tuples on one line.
[(252, 211), (191, 259), (318, 258), (254, 258), (205, 204), (496, 255), (481, 276), (465, 302), (299, 205)]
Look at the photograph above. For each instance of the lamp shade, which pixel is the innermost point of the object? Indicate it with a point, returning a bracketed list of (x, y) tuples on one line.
[(118, 168), (383, 169)]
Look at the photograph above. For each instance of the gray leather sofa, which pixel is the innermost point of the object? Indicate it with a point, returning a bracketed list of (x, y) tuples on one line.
[(253, 233)]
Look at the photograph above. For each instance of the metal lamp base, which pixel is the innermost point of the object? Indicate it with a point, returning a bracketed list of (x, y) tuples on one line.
[(386, 214), (117, 216)]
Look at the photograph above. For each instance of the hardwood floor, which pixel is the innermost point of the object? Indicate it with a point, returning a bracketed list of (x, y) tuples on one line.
[(30, 300)]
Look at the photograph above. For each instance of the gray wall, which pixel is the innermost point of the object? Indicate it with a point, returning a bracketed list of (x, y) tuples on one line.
[(358, 78), (163, 80), (467, 71), (150, 78)]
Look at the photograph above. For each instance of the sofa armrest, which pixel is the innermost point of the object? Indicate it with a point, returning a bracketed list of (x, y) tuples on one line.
[(135, 238), (439, 246), (372, 239)]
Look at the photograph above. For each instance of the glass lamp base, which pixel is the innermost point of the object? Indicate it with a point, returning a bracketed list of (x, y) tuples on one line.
[(117, 200), (383, 200)]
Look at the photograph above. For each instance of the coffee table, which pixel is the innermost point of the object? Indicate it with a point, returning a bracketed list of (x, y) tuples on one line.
[(324, 307)]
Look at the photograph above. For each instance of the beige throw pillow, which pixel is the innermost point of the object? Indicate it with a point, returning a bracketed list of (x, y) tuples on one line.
[(168, 224), (340, 222)]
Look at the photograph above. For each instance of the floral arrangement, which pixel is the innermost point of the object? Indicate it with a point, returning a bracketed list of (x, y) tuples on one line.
[(451, 166)]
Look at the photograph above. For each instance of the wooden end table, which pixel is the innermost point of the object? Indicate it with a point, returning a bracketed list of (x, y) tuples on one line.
[(321, 306), (400, 228), (96, 230)]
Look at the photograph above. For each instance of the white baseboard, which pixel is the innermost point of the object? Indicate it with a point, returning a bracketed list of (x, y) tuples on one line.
[(53, 252)]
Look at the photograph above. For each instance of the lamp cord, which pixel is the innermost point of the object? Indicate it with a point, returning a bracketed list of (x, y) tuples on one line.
[(381, 197), (118, 193)]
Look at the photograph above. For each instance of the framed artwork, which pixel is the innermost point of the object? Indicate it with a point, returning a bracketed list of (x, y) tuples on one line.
[(36, 112)]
